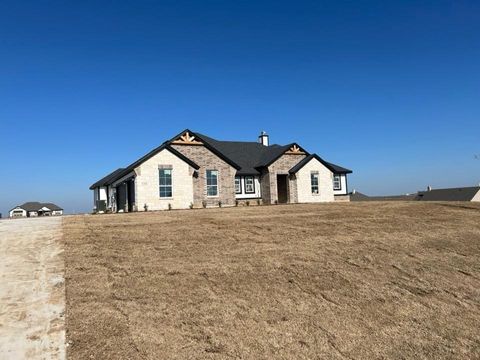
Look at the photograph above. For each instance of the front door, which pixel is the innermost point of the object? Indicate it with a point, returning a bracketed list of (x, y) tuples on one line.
[(282, 189), (121, 194), (131, 194)]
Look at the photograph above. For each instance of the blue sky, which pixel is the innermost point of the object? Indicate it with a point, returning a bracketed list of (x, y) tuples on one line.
[(389, 89)]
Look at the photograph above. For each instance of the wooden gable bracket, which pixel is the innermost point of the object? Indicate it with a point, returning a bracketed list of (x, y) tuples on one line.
[(295, 150), (187, 139)]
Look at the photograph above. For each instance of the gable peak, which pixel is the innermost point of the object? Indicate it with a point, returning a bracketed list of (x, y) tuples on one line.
[(187, 138)]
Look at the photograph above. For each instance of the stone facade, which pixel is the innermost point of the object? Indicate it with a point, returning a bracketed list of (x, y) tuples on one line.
[(342, 198), (207, 160), (281, 167), (147, 183), (325, 183)]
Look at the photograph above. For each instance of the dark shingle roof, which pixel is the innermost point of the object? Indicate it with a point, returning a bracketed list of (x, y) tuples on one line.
[(117, 174), (104, 181), (357, 196), (245, 156), (452, 194), (52, 206), (35, 206), (305, 161), (248, 155), (339, 170), (252, 155)]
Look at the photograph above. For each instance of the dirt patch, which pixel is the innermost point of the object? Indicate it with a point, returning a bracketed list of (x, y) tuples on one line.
[(334, 281), (32, 293)]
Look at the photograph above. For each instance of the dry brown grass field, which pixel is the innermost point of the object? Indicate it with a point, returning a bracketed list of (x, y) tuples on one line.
[(397, 280)]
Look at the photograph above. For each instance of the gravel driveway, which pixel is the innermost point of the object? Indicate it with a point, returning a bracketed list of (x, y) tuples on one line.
[(32, 292)]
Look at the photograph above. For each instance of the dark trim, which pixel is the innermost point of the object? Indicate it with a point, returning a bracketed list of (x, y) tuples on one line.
[(245, 180), (346, 184), (105, 180), (340, 170), (206, 183), (182, 157), (119, 174), (160, 186), (209, 147), (247, 173), (240, 178), (318, 182), (340, 188), (306, 160), (286, 148), (248, 198)]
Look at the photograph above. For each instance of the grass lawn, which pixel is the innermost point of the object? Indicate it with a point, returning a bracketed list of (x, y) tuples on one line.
[(331, 281)]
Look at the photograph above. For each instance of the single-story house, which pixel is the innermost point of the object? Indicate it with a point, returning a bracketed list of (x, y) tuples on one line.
[(452, 194), (33, 209), (358, 196), (471, 193), (194, 170)]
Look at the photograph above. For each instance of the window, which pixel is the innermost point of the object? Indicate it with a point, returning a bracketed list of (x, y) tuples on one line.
[(212, 183), (337, 184), (238, 185), (314, 181), (249, 185), (165, 183)]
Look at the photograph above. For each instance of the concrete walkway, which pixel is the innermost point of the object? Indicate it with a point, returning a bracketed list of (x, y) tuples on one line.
[(32, 292)]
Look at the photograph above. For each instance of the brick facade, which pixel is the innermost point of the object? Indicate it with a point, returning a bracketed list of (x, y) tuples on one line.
[(281, 167), (190, 184), (207, 160)]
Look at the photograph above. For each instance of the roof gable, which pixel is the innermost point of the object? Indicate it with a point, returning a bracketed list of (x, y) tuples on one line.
[(248, 158), (309, 158), (295, 150), (119, 173), (275, 153), (188, 137)]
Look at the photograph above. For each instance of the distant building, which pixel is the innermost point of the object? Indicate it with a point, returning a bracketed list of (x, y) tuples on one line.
[(453, 194), (34, 209), (358, 196)]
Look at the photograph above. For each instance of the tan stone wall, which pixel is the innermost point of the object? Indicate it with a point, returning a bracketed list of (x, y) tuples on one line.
[(282, 166), (342, 198), (147, 183), (209, 161), (325, 183), (252, 202)]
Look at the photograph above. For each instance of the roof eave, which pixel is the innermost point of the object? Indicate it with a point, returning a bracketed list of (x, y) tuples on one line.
[(309, 158), (209, 147)]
